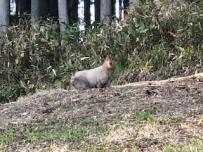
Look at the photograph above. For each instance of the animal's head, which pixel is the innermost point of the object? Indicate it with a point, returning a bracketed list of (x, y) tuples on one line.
[(109, 63)]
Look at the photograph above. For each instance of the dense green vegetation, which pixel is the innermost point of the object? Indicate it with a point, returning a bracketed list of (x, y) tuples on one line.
[(37, 57)]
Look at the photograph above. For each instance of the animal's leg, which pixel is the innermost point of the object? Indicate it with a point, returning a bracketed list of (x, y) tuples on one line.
[(81, 84), (101, 85)]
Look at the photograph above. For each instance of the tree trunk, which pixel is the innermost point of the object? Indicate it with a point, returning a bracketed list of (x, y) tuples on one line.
[(113, 7), (105, 9), (4, 15), (134, 2), (87, 13), (120, 9), (97, 10), (63, 15), (35, 11)]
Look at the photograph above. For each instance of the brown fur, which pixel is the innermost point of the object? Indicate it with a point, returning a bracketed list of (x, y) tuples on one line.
[(94, 78)]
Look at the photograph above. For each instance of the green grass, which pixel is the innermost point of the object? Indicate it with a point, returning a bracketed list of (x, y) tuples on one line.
[(52, 132), (62, 133), (195, 146), (10, 135), (93, 126), (170, 148), (87, 121), (145, 116), (41, 133), (99, 130), (195, 91)]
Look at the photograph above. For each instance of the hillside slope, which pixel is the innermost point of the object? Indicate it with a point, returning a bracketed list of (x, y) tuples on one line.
[(144, 116)]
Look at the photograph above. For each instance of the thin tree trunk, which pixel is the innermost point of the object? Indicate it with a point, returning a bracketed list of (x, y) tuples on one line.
[(125, 6), (120, 9), (97, 10), (113, 8), (35, 11), (17, 8), (63, 15), (105, 9), (4, 15), (87, 13)]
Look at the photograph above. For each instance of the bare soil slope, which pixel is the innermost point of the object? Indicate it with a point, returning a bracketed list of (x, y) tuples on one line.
[(172, 115)]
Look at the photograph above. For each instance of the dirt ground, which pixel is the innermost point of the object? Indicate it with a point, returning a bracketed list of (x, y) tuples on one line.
[(116, 108)]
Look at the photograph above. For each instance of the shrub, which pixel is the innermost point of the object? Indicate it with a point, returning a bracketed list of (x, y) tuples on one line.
[(11, 93)]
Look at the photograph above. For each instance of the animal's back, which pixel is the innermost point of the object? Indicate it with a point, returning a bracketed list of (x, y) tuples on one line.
[(94, 78), (97, 77)]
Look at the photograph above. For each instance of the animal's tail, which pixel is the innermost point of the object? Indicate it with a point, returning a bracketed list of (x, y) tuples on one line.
[(72, 80), (71, 84)]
